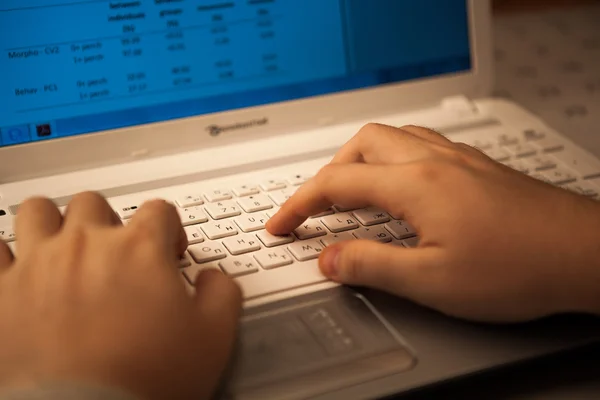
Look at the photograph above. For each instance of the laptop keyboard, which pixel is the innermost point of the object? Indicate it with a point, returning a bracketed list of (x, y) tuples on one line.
[(225, 225)]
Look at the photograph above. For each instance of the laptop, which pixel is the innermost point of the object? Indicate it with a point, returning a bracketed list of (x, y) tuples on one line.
[(225, 108)]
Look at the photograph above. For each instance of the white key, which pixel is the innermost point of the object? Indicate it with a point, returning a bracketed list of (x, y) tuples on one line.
[(310, 229), (192, 216), (189, 200), (206, 252), (411, 242), (127, 212), (401, 229), (246, 190), (272, 241), (273, 185), (371, 216), (583, 188), (521, 150), (297, 180), (7, 234), (218, 195), (519, 165), (541, 163), (223, 209), (330, 240), (376, 233), (241, 244), (254, 203), (559, 176), (307, 250), (329, 211), (239, 266), (193, 234), (548, 145), (251, 223), (219, 229), (507, 139), (497, 154), (340, 222), (587, 167), (281, 196), (63, 209), (273, 258)]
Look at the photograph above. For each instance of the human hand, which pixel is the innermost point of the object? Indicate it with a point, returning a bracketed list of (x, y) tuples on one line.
[(495, 245), (90, 301)]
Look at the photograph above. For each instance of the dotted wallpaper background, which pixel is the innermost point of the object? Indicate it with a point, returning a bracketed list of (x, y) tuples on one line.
[(550, 63)]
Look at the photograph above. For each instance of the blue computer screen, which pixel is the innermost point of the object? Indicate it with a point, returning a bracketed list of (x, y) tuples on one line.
[(71, 67)]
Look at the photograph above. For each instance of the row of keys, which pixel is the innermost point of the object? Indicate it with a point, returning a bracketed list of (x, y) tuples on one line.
[(216, 195), (266, 259)]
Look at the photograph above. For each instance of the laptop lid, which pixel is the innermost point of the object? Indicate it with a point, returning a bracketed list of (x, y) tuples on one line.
[(87, 83)]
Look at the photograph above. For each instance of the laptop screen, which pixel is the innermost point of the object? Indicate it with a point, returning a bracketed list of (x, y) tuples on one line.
[(72, 67)]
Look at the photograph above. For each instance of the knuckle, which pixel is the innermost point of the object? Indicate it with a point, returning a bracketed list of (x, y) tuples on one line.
[(352, 262), (33, 203), (326, 174), (158, 207), (88, 197)]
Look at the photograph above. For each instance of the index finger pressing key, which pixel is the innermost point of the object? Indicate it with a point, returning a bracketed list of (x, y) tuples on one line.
[(351, 185)]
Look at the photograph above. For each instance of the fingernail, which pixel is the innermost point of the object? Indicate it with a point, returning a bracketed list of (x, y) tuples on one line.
[(329, 262)]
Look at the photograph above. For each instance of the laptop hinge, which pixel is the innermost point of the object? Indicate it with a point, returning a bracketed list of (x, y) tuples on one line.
[(461, 105)]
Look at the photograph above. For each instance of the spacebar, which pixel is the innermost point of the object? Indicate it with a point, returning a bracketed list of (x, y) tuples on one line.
[(280, 279)]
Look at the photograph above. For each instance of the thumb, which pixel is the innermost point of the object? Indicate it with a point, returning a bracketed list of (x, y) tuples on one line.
[(218, 309), (393, 269)]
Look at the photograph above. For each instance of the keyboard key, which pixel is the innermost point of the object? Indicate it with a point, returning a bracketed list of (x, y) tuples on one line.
[(411, 242), (251, 223), (559, 176), (519, 165), (272, 184), (340, 222), (586, 166), (194, 234), (13, 247), (206, 252), (371, 216), (521, 150), (401, 229), (497, 154), (281, 196), (329, 211), (254, 203), (239, 266), (223, 209), (548, 145), (307, 250), (297, 180), (376, 233), (341, 209), (507, 139), (273, 258), (7, 234), (541, 163), (310, 229), (218, 195), (330, 240), (583, 188), (219, 230), (189, 201), (246, 190), (272, 241), (241, 244), (127, 212), (192, 215)]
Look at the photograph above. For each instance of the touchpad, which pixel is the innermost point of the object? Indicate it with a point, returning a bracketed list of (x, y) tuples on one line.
[(312, 345)]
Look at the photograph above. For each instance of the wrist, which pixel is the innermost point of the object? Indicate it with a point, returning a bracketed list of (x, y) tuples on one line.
[(580, 284)]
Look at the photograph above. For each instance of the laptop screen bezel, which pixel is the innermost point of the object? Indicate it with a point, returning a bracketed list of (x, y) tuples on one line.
[(130, 144)]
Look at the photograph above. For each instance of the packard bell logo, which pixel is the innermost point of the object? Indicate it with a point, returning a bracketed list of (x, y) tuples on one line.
[(216, 130)]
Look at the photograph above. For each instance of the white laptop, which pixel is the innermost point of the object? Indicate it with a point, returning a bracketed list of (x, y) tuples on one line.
[(225, 107)]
